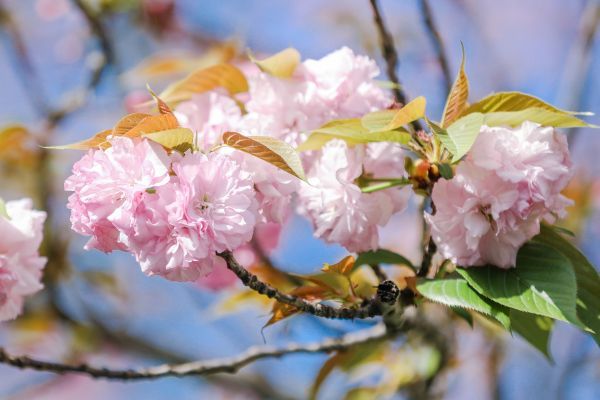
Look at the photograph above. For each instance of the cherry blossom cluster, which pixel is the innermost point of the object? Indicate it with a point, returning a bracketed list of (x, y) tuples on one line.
[(176, 211), (21, 229), (508, 184)]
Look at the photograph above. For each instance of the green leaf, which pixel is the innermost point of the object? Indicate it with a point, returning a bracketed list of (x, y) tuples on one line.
[(542, 283), (269, 149), (458, 293), (445, 171), (381, 256), (281, 65), (458, 96), (173, 138), (352, 132), (513, 101), (464, 314), (459, 137), (387, 120), (588, 280), (534, 329), (3, 211), (541, 116)]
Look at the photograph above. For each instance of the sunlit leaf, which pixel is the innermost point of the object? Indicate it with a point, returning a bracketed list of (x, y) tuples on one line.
[(127, 123), (344, 267), (459, 137), (280, 312), (163, 107), (458, 96), (224, 76), (513, 101), (269, 149), (388, 120), (458, 293), (535, 329), (542, 283), (153, 123), (178, 138), (588, 280), (281, 65), (97, 141), (362, 393), (352, 132), (540, 115)]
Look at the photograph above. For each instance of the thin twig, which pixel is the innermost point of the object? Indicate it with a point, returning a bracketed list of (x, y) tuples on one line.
[(219, 365), (391, 58), (371, 309), (438, 43)]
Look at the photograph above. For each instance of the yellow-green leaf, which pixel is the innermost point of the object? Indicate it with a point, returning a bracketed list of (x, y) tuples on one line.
[(513, 101), (388, 120), (163, 107), (352, 132), (458, 96), (178, 138), (269, 149), (281, 65), (344, 267), (542, 116), (459, 137), (225, 76)]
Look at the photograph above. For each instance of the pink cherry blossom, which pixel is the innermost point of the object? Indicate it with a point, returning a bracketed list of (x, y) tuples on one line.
[(335, 204), (345, 84), (108, 186), (209, 206), (510, 181), (209, 115), (20, 263)]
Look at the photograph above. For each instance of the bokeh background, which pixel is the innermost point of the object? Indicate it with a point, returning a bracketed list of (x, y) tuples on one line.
[(93, 62)]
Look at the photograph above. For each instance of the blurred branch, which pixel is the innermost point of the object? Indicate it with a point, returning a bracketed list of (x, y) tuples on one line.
[(438, 43), (579, 59), (220, 365), (389, 52), (371, 309)]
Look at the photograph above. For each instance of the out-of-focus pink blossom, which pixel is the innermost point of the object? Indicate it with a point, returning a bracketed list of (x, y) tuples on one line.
[(335, 204), (208, 207), (510, 181), (108, 185), (209, 115), (20, 263)]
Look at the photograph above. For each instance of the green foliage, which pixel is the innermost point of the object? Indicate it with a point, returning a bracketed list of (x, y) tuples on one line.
[(534, 329), (352, 131), (381, 256), (512, 101), (542, 283), (393, 119), (458, 293), (3, 212), (280, 65), (588, 280)]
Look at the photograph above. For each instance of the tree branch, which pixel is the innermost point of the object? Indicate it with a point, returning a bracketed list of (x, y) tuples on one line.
[(219, 365), (438, 43), (391, 58), (371, 309)]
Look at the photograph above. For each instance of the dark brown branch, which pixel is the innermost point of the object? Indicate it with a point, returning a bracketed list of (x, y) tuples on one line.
[(220, 365), (438, 43), (371, 309), (391, 58)]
